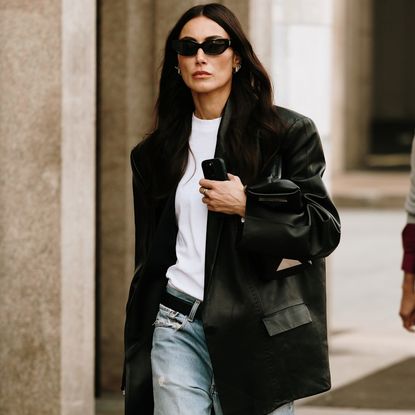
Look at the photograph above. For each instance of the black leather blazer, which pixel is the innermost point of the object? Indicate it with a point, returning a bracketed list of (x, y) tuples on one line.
[(266, 334)]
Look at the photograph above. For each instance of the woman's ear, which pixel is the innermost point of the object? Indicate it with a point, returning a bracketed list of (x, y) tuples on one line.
[(236, 60), (236, 64)]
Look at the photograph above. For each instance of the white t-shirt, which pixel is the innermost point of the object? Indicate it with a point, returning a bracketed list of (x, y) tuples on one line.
[(188, 274)]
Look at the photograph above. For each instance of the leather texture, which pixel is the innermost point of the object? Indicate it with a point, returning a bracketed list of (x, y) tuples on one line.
[(266, 336), (280, 194)]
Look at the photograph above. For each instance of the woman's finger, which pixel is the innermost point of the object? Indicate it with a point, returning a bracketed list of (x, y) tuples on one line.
[(234, 178), (204, 191), (206, 183)]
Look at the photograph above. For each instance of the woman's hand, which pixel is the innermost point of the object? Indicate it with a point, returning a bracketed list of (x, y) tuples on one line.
[(226, 196), (407, 310)]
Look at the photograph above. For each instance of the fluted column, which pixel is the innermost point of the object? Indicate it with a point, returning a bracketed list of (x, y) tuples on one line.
[(47, 194)]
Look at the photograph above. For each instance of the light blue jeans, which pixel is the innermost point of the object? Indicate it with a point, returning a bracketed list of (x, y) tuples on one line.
[(183, 382)]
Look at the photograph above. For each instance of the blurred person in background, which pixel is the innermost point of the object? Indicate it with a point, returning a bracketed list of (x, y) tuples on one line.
[(407, 309), (211, 325)]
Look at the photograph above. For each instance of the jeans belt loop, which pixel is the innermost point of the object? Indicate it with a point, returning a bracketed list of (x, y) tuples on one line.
[(193, 311)]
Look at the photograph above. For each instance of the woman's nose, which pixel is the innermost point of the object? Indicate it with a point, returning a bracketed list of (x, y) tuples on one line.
[(200, 56)]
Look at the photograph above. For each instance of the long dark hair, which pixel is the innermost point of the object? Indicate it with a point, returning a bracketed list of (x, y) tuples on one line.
[(253, 127)]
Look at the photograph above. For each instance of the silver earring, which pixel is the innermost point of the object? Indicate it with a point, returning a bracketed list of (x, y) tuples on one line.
[(236, 68), (179, 71)]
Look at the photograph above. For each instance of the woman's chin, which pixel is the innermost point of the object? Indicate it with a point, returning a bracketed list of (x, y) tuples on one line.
[(205, 88)]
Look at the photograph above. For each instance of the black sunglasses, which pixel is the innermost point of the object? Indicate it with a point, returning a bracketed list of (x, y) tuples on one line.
[(188, 47)]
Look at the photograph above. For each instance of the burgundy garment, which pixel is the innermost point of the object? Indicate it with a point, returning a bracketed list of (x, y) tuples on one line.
[(408, 241)]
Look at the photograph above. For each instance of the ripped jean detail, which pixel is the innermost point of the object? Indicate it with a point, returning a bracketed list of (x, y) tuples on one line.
[(183, 381), (168, 318)]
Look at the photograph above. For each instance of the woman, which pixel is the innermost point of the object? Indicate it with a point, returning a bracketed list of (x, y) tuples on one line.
[(212, 326), (407, 307)]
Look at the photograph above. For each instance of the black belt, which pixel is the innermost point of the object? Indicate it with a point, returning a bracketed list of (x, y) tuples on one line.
[(182, 306)]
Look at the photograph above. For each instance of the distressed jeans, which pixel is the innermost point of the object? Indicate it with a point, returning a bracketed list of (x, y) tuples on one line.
[(183, 382)]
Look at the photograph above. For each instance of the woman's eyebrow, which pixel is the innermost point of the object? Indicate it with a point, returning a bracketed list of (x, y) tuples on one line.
[(207, 38)]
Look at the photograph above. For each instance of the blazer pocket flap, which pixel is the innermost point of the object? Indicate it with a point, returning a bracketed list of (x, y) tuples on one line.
[(287, 319)]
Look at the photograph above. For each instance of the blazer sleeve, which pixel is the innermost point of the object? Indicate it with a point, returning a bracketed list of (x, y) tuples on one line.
[(314, 232), (142, 219)]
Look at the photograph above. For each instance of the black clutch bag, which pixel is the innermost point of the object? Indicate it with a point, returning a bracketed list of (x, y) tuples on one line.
[(278, 194)]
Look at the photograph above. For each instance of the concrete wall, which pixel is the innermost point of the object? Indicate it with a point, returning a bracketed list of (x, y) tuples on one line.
[(47, 158)]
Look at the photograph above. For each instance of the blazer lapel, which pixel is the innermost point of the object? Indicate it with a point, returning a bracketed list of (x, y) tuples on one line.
[(215, 220)]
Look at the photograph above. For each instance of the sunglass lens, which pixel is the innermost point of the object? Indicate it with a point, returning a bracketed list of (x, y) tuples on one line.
[(185, 47), (189, 48), (215, 47), (210, 47)]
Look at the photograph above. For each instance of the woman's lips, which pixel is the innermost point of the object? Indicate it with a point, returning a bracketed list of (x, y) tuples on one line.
[(201, 74)]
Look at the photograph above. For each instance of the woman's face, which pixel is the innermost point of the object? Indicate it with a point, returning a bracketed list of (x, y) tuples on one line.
[(204, 73)]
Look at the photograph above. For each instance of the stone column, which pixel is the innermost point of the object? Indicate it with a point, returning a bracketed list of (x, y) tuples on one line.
[(352, 82), (125, 105), (132, 34), (47, 193), (302, 34), (260, 31)]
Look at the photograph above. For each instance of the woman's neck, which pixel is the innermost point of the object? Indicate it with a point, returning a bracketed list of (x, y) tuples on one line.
[(209, 106)]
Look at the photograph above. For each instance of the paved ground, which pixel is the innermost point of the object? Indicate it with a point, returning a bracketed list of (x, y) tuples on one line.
[(374, 189), (364, 290)]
